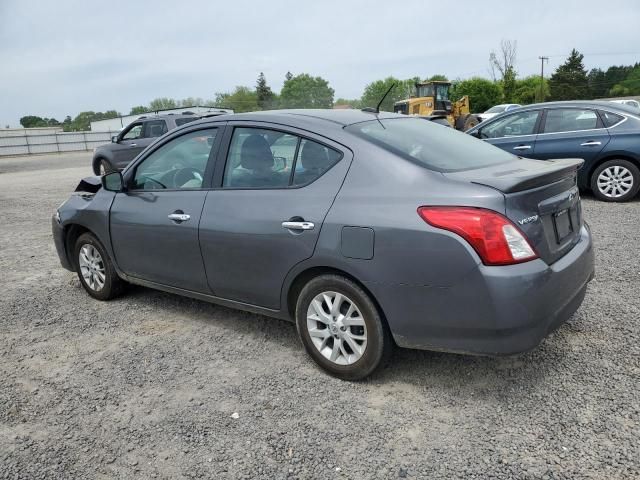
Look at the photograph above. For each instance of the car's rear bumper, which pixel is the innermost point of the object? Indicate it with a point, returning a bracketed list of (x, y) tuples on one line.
[(494, 310), (58, 240)]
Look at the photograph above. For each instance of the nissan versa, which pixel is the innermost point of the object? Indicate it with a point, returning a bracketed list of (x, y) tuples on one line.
[(368, 230)]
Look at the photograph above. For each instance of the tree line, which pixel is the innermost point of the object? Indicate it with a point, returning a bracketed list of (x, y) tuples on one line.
[(570, 81)]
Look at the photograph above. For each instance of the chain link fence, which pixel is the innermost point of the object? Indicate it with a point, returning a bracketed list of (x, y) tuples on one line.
[(24, 142)]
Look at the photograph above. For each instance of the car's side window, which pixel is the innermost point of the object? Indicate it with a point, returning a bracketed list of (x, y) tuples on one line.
[(610, 119), (155, 128), (313, 160), (263, 158), (259, 158), (133, 133), (521, 123), (570, 120), (178, 164)]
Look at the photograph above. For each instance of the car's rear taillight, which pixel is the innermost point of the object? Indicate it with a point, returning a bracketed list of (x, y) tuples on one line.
[(496, 240)]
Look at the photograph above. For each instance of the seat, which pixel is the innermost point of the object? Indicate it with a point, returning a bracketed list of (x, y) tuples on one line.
[(314, 160), (256, 159)]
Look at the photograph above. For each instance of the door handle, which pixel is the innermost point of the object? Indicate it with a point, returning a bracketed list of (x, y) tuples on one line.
[(590, 144), (179, 217), (522, 147), (132, 145), (298, 225)]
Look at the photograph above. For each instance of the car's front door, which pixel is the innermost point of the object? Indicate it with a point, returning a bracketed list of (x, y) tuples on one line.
[(154, 223), (266, 213), (515, 133), (571, 133)]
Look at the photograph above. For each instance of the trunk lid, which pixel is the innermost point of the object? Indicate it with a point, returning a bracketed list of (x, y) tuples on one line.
[(541, 199)]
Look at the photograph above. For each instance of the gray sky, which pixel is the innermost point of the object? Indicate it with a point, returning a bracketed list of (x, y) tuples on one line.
[(65, 56)]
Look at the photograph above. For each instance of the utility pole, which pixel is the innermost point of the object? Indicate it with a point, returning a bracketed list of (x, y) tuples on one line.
[(542, 60)]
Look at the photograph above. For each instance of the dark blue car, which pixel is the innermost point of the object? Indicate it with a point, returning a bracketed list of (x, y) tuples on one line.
[(606, 135)]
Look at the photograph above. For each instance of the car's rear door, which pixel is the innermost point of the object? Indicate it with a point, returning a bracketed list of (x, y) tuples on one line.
[(154, 223), (266, 212), (514, 133), (571, 133)]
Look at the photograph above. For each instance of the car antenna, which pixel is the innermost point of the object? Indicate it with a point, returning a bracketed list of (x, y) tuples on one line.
[(377, 109)]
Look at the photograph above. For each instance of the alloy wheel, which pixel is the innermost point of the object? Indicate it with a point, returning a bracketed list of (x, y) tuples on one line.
[(615, 181), (337, 328), (92, 267)]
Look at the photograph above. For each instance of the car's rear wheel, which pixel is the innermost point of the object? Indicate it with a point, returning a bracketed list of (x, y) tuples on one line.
[(341, 328), (95, 270), (615, 181)]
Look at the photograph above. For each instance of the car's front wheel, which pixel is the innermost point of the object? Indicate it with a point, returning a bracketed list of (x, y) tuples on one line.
[(615, 181), (102, 167), (95, 270), (341, 328)]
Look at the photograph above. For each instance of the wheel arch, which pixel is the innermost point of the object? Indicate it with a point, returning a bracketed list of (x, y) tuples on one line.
[(71, 234), (303, 277)]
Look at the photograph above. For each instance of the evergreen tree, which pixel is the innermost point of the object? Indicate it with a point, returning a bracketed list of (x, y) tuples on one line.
[(264, 93), (598, 87), (569, 81)]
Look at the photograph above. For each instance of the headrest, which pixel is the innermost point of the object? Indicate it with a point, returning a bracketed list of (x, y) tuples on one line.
[(255, 154), (314, 156)]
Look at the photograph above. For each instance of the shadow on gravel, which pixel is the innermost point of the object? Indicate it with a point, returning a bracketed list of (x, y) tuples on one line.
[(492, 376)]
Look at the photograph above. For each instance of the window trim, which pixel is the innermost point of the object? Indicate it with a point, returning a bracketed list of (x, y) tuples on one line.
[(221, 164), (130, 170), (128, 128)]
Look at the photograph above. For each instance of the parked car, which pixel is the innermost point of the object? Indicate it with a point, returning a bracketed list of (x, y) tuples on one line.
[(497, 110), (367, 230), (605, 135), (634, 104), (134, 138)]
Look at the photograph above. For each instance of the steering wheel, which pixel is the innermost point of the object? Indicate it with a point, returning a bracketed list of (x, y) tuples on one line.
[(183, 175)]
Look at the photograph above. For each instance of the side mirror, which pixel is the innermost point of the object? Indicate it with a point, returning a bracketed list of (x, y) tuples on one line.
[(114, 139), (113, 182)]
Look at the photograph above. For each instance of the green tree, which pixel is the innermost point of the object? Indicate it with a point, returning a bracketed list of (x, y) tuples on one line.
[(190, 102), (305, 91), (139, 110), (569, 81), (438, 78), (32, 121), (527, 90), (162, 103), (374, 92), (509, 85), (483, 93), (264, 94), (242, 99), (597, 81), (629, 86)]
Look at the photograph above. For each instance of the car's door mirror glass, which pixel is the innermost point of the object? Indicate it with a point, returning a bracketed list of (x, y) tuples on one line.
[(113, 182), (178, 164)]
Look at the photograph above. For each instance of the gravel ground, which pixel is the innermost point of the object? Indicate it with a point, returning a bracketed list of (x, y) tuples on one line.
[(153, 385)]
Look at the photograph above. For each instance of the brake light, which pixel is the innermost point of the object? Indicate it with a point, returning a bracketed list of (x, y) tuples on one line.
[(496, 240)]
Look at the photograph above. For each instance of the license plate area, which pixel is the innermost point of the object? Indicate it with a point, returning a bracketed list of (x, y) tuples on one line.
[(562, 224)]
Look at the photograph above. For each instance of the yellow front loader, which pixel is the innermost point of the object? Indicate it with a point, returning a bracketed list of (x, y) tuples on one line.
[(432, 100)]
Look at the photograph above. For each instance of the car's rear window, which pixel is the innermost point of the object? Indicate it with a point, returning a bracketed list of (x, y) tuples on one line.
[(434, 146)]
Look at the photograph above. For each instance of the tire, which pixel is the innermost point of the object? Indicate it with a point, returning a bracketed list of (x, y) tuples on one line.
[(615, 181), (365, 322), (102, 166), (465, 122), (95, 270)]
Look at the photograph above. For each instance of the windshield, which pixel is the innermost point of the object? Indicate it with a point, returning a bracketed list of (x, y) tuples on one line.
[(433, 146), (497, 109)]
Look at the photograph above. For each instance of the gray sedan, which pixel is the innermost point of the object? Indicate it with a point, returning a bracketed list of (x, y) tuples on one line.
[(367, 230)]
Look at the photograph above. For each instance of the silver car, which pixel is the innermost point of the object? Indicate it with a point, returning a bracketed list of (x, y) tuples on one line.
[(367, 230)]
